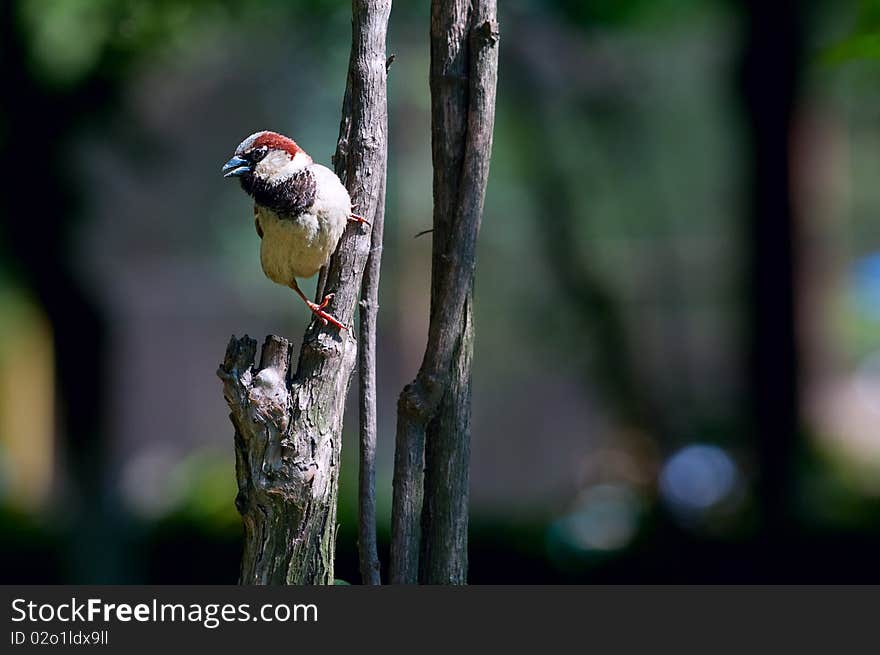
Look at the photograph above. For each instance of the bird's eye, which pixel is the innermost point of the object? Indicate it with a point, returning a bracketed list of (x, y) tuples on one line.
[(259, 153)]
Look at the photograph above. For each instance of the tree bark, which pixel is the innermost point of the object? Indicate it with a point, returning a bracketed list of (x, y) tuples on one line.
[(369, 308), (288, 426), (429, 540)]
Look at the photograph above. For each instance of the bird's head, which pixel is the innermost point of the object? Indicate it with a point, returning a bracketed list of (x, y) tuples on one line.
[(265, 157)]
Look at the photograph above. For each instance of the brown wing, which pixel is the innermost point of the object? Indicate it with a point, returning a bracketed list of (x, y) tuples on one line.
[(257, 222)]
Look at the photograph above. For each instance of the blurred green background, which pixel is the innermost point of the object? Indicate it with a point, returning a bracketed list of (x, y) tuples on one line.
[(614, 428)]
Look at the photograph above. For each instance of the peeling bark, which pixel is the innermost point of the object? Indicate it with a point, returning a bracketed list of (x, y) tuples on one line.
[(288, 425)]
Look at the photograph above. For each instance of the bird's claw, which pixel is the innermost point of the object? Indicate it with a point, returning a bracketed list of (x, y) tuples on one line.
[(324, 317), (358, 218)]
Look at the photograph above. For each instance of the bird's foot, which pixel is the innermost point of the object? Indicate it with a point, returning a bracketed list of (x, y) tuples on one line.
[(358, 218), (325, 318)]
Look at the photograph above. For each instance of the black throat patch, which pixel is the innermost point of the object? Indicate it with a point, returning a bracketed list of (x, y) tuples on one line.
[(291, 197)]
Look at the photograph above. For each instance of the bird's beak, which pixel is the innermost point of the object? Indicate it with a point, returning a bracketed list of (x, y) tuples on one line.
[(236, 167)]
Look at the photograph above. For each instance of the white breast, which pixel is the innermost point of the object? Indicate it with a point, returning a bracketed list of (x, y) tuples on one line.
[(298, 247)]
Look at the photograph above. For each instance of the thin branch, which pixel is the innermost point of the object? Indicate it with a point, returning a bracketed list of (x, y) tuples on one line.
[(369, 308)]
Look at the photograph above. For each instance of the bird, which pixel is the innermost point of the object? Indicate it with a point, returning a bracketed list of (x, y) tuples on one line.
[(300, 210)]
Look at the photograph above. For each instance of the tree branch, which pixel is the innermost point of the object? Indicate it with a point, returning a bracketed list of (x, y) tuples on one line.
[(464, 62), (369, 308), (288, 428)]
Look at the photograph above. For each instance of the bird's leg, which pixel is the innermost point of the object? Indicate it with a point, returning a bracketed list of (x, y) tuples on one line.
[(318, 310)]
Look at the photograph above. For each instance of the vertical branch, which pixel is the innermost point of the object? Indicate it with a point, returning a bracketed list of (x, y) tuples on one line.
[(288, 426), (372, 147), (429, 540), (369, 308)]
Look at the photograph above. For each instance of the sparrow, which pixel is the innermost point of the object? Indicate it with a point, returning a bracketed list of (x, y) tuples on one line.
[(300, 210)]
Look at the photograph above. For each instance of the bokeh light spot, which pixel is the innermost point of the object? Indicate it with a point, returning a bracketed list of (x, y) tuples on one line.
[(698, 478), (605, 518)]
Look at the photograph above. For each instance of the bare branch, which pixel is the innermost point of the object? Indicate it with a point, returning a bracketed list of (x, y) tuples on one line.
[(369, 308), (464, 62)]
